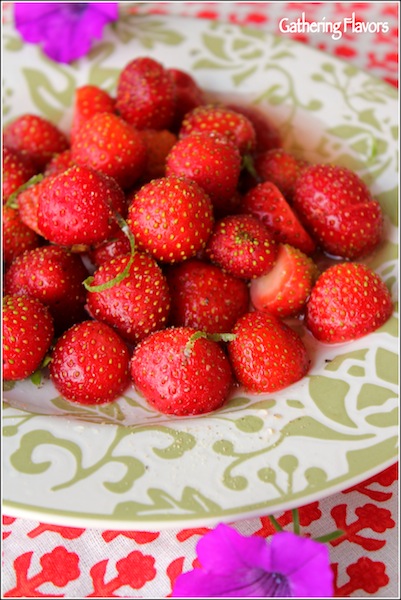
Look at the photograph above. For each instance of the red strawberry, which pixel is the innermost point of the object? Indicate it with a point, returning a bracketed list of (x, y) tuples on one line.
[(266, 354), (281, 168), (16, 170), (78, 206), (180, 373), (137, 304), (266, 202), (28, 203), (338, 209), (59, 163), (114, 247), (206, 298), (90, 364), (242, 246), (17, 237), (284, 290), (54, 276), (108, 144), (209, 159), (267, 134), (36, 137), (171, 218), (188, 95), (158, 143), (27, 334), (348, 301), (146, 94), (220, 119), (89, 100)]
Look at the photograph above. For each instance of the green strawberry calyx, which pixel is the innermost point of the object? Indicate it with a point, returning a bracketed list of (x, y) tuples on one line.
[(125, 272), (214, 337), (12, 199)]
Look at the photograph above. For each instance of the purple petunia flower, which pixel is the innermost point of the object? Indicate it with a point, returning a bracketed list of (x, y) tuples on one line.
[(64, 29), (238, 566)]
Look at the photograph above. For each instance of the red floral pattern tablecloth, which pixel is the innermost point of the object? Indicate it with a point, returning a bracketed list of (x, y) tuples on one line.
[(42, 560)]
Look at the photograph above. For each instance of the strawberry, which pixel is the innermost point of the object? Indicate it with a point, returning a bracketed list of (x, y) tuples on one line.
[(108, 144), (267, 134), (181, 372), (17, 169), (59, 163), (188, 95), (17, 237), (89, 100), (339, 211), (27, 335), (171, 218), (284, 290), (281, 168), (206, 298), (146, 94), (211, 160), (242, 246), (266, 202), (348, 301), (112, 248), (137, 303), (266, 354), (54, 276), (28, 203), (220, 119), (78, 206), (36, 137), (90, 364), (158, 143)]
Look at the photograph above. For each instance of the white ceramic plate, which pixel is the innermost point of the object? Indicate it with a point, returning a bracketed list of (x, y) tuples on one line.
[(123, 465)]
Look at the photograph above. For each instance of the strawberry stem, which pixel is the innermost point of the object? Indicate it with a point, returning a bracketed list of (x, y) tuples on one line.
[(125, 272), (12, 199), (214, 337), (323, 539), (275, 523), (329, 537), (295, 521), (248, 164)]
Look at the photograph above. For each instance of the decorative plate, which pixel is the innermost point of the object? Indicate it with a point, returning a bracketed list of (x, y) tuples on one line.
[(123, 465)]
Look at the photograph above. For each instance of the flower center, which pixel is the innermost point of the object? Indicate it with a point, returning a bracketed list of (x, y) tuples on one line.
[(276, 585), (75, 9)]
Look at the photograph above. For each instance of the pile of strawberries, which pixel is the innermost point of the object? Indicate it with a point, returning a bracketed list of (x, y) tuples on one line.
[(167, 240)]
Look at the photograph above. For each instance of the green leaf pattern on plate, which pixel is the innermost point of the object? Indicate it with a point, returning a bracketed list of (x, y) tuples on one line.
[(124, 464)]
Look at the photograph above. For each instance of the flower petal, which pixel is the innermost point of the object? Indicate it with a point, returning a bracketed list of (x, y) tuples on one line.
[(93, 22), (304, 562), (109, 10), (65, 29), (244, 583), (233, 565), (31, 19), (224, 551), (237, 566)]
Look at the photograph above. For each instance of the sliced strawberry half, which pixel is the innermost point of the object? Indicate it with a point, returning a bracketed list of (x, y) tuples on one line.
[(285, 289), (89, 100), (266, 202)]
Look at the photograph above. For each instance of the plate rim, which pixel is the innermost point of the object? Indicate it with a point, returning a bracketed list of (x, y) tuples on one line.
[(52, 516)]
